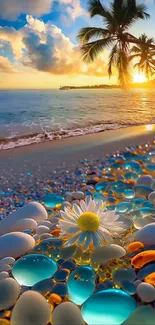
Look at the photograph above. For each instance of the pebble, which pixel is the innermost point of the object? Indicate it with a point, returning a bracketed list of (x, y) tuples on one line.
[(141, 222), (31, 309), (15, 244), (10, 291), (67, 313), (146, 292), (107, 252), (26, 223), (7, 260), (33, 210), (143, 315), (4, 275), (146, 235), (5, 267), (78, 195), (145, 180), (42, 230)]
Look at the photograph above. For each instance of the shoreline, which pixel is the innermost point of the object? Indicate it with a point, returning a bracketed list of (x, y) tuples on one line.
[(44, 160)]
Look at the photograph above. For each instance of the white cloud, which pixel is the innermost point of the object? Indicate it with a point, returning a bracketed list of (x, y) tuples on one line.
[(5, 65), (11, 9), (73, 8), (47, 49)]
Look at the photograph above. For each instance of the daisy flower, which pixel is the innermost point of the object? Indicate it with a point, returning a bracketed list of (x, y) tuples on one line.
[(89, 223)]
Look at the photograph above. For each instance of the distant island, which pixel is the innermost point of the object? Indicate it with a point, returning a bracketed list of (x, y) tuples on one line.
[(149, 84)]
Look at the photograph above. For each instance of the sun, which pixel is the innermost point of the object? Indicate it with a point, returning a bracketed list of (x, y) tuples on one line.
[(139, 77)]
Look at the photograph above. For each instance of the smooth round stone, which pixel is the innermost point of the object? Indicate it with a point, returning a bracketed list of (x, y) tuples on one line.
[(151, 197), (44, 286), (67, 313), (99, 197), (26, 223), (50, 247), (141, 222), (60, 289), (129, 194), (31, 309), (145, 271), (7, 260), (67, 252), (142, 212), (52, 200), (42, 230), (33, 210), (15, 244), (124, 207), (45, 223), (101, 186), (31, 269), (128, 287), (10, 291), (123, 274), (61, 275), (70, 265), (45, 236), (146, 235), (143, 315), (107, 252), (4, 275), (110, 307), (145, 180), (5, 267), (143, 190), (78, 195), (81, 284), (146, 292), (36, 237)]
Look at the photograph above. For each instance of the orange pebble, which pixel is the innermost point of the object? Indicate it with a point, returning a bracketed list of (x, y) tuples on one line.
[(55, 232), (135, 246), (143, 258), (150, 279), (55, 298)]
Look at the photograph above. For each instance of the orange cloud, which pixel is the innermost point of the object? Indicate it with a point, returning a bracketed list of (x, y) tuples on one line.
[(6, 66)]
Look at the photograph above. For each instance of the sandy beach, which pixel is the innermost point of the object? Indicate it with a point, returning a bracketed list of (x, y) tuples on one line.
[(45, 159)]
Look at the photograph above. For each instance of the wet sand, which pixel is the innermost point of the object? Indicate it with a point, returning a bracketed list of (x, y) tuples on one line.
[(46, 159)]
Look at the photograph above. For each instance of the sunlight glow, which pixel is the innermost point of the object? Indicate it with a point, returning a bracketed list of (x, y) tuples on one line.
[(139, 77), (149, 127)]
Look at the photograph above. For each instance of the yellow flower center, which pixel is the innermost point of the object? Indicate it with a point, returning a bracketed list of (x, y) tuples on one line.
[(88, 221)]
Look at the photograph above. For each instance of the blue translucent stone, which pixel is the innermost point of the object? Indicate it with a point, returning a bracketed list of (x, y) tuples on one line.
[(131, 176), (44, 286), (101, 186), (81, 284), (148, 269), (34, 268), (110, 307), (138, 202), (70, 265), (52, 200), (99, 197), (60, 289), (61, 275), (129, 194), (143, 212), (124, 206), (50, 247), (129, 287)]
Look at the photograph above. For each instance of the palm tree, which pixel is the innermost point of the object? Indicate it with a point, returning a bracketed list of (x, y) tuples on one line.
[(115, 34), (145, 54)]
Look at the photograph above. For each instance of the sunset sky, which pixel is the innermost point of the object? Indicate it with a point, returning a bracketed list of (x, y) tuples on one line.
[(38, 45)]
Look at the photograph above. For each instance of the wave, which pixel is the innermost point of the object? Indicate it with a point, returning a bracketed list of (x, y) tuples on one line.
[(29, 139)]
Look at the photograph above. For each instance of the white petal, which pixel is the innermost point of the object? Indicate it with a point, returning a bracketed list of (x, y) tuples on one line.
[(88, 240), (82, 238), (72, 230), (98, 207), (109, 216), (91, 206), (95, 239), (64, 225), (88, 199), (73, 240), (106, 234), (66, 217), (83, 206), (70, 213), (77, 210)]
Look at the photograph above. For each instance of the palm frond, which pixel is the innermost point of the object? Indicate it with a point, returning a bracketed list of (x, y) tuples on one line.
[(112, 59), (92, 49), (95, 7), (87, 33), (141, 11)]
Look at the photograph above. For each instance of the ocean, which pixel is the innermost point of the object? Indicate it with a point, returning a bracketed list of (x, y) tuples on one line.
[(33, 116)]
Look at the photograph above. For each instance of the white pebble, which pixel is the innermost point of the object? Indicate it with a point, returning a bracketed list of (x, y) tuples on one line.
[(4, 275), (42, 229), (7, 260), (15, 244), (146, 292)]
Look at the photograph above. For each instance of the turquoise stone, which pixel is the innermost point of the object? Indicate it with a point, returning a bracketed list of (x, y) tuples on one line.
[(99, 197), (49, 247), (143, 190), (148, 269), (129, 194), (124, 206), (52, 200), (81, 284), (110, 307), (34, 268), (101, 186)]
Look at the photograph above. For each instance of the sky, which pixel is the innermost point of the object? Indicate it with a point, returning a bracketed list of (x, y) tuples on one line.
[(39, 47)]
